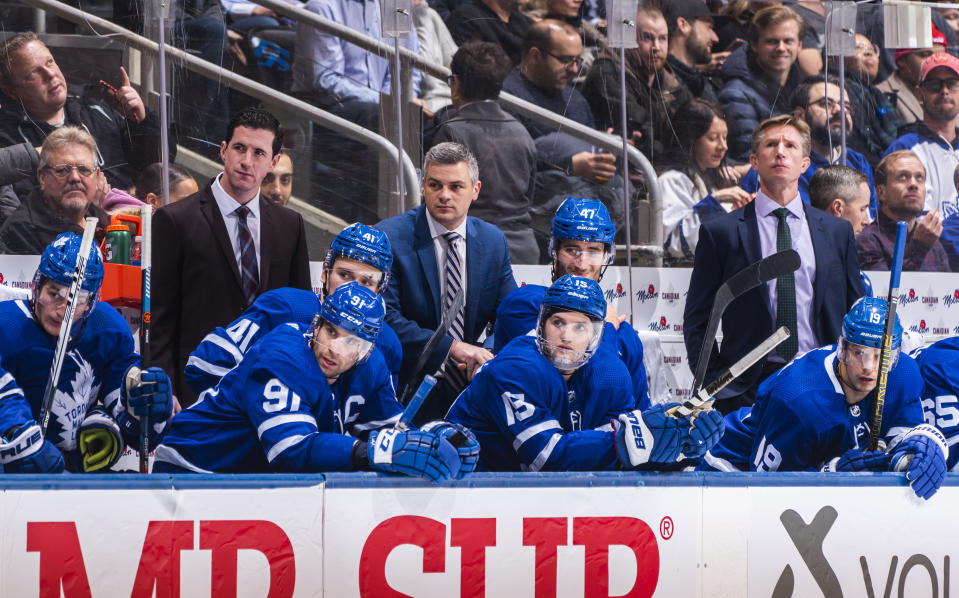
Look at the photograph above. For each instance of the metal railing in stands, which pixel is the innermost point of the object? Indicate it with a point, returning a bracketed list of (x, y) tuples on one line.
[(257, 90), (599, 139)]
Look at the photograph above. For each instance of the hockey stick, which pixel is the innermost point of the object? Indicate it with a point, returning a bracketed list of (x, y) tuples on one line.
[(774, 266), (445, 323), (885, 352), (415, 403), (73, 298), (146, 247), (704, 398)]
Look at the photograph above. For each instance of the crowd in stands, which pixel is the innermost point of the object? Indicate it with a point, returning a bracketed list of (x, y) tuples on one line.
[(702, 77)]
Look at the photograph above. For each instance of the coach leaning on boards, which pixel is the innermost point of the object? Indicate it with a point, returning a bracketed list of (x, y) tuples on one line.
[(219, 248)]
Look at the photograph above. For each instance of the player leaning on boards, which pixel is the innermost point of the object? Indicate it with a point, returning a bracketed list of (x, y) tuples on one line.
[(815, 412), (358, 253), (581, 243), (96, 405), (939, 367), (284, 408), (532, 408)]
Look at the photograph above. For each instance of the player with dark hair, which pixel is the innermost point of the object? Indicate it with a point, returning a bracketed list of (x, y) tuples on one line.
[(359, 253), (581, 243), (101, 393), (308, 399), (815, 413), (536, 407)]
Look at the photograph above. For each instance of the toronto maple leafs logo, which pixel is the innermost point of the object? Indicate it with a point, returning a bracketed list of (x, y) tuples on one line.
[(77, 389)]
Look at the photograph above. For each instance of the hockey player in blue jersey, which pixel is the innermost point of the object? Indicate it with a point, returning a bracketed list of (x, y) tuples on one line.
[(581, 243), (101, 392), (358, 253), (939, 367), (532, 407), (307, 399), (815, 413)]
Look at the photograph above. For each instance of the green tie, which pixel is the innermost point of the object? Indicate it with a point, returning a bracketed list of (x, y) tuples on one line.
[(786, 291)]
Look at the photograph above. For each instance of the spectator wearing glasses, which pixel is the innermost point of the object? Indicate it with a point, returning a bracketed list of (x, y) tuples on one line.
[(71, 187), (935, 140), (653, 93), (902, 85)]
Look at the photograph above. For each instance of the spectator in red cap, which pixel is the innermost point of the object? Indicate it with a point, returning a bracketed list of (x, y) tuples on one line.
[(901, 86), (935, 140)]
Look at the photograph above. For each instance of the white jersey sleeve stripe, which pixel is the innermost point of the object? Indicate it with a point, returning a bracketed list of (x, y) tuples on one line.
[(522, 437), (286, 418), (166, 454), (7, 379), (207, 367), (544, 454), (607, 427), (720, 464), (282, 445), (377, 424), (226, 344)]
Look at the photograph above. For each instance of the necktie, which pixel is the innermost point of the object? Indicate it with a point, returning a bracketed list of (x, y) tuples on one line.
[(786, 291), (454, 281), (249, 272)]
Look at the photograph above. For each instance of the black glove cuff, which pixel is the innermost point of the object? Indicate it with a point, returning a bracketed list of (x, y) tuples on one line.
[(359, 457)]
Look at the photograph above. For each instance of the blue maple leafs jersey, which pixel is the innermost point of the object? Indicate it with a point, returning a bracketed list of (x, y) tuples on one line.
[(221, 350), (517, 315), (801, 420), (939, 366), (527, 418), (96, 359), (275, 411)]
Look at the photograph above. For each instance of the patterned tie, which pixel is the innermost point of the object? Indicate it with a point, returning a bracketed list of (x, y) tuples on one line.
[(249, 272), (786, 291), (454, 281)]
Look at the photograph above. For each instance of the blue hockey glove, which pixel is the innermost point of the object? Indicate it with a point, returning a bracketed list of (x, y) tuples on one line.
[(649, 436), (859, 460), (24, 450), (148, 392), (100, 440), (706, 430), (462, 439), (413, 452), (922, 454)]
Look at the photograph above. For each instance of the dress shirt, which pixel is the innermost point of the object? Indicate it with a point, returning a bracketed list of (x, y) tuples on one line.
[(437, 231), (228, 206)]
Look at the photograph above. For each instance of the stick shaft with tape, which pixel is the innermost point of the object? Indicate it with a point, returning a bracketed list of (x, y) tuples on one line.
[(885, 354), (73, 298), (415, 403), (146, 263)]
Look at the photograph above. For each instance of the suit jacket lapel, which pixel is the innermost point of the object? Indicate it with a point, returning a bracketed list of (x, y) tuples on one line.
[(423, 245), (475, 275), (749, 237), (211, 212), (820, 243), (266, 242)]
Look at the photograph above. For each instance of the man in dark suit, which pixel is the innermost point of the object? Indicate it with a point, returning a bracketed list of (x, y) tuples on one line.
[(219, 248), (437, 250), (811, 302)]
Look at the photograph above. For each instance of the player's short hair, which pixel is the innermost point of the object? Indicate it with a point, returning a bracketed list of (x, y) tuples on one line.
[(65, 137), (770, 17), (450, 152), (10, 46), (540, 35), (256, 118), (480, 68), (835, 182), (782, 121), (882, 169)]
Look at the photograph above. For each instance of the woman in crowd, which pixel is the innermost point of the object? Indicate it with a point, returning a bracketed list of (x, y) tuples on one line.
[(695, 183)]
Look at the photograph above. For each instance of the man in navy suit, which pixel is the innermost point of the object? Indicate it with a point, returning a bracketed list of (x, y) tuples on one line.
[(816, 296), (437, 250)]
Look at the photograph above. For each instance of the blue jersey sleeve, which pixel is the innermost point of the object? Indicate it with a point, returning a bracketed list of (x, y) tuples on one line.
[(939, 366), (280, 402), (221, 350), (782, 442), (631, 353), (388, 343), (14, 408), (516, 314)]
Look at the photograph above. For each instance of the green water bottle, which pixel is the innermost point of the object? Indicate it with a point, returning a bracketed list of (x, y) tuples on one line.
[(117, 244)]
